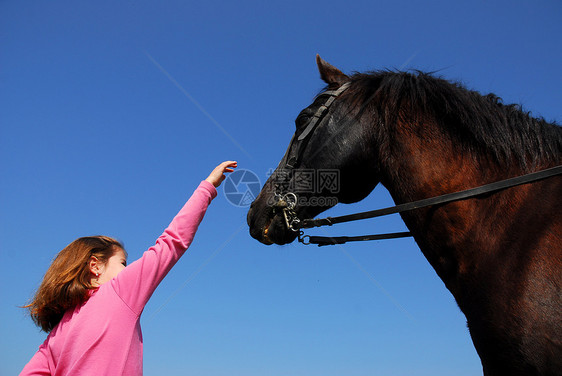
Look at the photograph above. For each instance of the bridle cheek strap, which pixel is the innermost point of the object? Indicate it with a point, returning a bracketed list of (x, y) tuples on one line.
[(296, 146), (321, 111)]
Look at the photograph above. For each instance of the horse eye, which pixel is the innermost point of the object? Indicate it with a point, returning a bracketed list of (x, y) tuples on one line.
[(302, 119)]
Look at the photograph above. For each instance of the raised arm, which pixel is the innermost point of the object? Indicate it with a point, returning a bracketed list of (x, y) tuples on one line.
[(136, 283)]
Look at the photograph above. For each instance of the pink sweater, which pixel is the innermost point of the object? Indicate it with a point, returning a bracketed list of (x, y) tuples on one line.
[(103, 335)]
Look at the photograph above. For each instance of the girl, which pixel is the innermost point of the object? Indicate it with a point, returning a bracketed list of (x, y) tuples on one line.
[(91, 301)]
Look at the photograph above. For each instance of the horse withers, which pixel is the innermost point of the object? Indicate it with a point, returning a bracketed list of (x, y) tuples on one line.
[(421, 136)]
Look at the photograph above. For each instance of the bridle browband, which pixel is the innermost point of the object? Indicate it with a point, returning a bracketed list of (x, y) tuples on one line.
[(288, 201)]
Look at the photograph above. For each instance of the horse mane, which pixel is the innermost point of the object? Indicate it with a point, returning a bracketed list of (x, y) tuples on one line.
[(478, 123)]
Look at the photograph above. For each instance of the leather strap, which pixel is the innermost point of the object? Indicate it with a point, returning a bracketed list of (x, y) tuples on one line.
[(438, 200)]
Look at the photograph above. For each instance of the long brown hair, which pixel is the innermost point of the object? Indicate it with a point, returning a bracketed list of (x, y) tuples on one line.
[(68, 280)]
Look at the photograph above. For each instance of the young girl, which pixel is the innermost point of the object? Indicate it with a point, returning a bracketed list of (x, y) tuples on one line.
[(91, 301)]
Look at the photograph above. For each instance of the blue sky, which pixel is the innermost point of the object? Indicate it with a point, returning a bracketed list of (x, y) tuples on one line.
[(112, 112)]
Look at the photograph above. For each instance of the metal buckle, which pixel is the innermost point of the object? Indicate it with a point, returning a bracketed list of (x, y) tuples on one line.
[(287, 203), (302, 239)]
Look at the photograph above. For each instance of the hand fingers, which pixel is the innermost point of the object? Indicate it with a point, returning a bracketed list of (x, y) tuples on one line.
[(228, 166), (217, 175)]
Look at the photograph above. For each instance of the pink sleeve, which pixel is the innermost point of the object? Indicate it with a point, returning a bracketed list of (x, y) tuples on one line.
[(38, 365), (136, 283)]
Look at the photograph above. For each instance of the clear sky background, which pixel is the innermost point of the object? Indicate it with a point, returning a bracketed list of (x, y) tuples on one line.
[(113, 112)]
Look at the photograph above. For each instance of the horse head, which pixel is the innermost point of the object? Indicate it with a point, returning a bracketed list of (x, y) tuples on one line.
[(326, 162)]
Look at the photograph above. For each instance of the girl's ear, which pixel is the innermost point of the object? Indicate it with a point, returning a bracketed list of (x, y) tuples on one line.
[(94, 265)]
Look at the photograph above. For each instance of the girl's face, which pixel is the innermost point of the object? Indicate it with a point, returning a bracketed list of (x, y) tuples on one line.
[(112, 267)]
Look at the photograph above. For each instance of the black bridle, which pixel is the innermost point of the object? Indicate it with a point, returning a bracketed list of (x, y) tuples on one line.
[(286, 202)]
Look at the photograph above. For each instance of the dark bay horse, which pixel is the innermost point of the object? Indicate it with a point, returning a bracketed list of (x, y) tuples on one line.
[(420, 136)]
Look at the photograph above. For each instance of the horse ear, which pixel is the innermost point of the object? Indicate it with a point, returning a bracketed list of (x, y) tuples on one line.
[(330, 74)]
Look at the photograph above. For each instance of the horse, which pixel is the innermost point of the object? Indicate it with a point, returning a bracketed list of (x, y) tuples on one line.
[(420, 136)]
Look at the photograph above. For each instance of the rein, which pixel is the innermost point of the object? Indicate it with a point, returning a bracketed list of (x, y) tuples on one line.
[(297, 225)]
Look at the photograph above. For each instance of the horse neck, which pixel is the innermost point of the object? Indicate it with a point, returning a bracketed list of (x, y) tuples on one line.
[(422, 163), (425, 164)]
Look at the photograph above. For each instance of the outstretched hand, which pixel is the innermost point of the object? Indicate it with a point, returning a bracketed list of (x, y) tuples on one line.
[(217, 176)]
